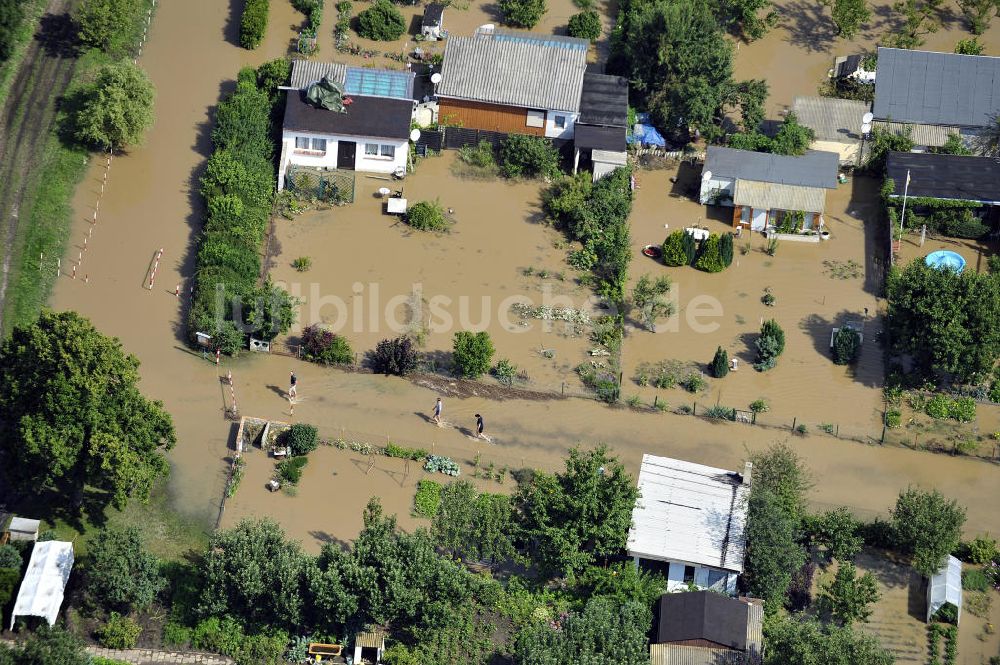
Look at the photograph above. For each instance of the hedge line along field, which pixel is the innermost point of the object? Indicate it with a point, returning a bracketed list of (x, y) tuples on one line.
[(253, 23), (238, 188)]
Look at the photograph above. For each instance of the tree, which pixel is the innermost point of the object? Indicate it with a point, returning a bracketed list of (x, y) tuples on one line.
[(928, 527), (574, 517), (394, 356), (749, 96), (121, 574), (472, 353), (720, 363), (726, 249), (709, 255), (770, 344), (679, 249), (473, 526), (849, 15), (523, 156), (585, 25), (978, 13), (622, 582), (920, 18), (11, 16), (773, 553), (10, 557), (647, 297), (839, 531), (74, 416), (677, 59), (884, 141), (268, 311), (381, 22), (744, 17), (108, 25), (604, 632), (792, 138), (780, 470), (47, 646), (970, 46), (116, 109), (949, 324), (522, 13), (849, 597), (846, 345), (987, 141), (794, 641), (254, 572)]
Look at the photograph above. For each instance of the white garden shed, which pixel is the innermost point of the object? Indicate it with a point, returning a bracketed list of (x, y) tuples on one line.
[(945, 587), (44, 583)]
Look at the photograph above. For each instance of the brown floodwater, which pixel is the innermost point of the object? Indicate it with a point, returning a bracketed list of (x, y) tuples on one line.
[(151, 203)]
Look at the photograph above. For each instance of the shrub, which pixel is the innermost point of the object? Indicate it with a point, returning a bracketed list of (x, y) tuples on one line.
[(472, 353), (938, 407), (176, 634), (381, 22), (720, 363), (253, 24), (522, 13), (301, 438), (726, 249), (586, 25), (321, 345), (974, 579), (505, 372), (694, 383), (770, 345), (846, 344), (523, 156), (394, 356), (427, 216), (121, 573), (800, 590), (678, 249), (401, 452), (963, 409), (290, 470), (720, 412), (120, 632), (10, 557), (759, 406), (947, 613), (709, 258), (479, 161), (427, 499), (982, 549), (8, 584), (893, 419), (927, 526), (302, 264)]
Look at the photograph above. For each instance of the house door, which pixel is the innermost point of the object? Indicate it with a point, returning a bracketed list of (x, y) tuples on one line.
[(759, 220), (345, 154)]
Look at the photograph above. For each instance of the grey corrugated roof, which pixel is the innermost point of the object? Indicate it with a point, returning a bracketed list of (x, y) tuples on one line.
[(816, 168), (929, 135), (676, 654), (772, 196), (831, 119), (936, 88), (305, 72), (514, 73)]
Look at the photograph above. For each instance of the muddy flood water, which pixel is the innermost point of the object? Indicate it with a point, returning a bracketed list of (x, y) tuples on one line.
[(151, 203)]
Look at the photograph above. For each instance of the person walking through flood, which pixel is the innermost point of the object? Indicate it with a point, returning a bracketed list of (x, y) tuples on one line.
[(479, 428), (293, 380), (438, 408)]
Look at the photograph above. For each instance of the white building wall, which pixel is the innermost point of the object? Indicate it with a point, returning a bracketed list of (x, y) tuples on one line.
[(717, 184), (724, 580), (328, 160), (554, 132)]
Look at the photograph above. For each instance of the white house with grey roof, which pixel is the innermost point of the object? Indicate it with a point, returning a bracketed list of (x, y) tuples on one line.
[(762, 187), (932, 94), (690, 523), (513, 82)]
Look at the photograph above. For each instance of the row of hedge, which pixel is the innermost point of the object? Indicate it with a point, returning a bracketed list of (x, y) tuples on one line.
[(238, 187), (253, 24)]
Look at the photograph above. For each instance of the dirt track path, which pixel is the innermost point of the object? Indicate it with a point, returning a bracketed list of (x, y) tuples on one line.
[(25, 124)]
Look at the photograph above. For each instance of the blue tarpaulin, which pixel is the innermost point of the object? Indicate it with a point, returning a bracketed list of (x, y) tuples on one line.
[(646, 135)]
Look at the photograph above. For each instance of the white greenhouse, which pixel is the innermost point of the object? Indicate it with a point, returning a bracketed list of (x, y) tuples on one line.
[(945, 587), (41, 593)]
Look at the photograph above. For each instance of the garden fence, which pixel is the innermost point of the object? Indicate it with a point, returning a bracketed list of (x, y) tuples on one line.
[(333, 186)]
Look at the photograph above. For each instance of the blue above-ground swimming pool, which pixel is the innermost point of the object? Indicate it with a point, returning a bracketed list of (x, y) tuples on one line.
[(945, 258)]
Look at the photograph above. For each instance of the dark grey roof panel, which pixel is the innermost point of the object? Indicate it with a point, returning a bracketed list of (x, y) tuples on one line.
[(590, 137), (816, 168), (604, 100), (945, 176), (703, 615), (930, 88), (373, 117)]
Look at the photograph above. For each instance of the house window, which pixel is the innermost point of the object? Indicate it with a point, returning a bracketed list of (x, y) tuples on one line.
[(560, 122), (319, 145), (301, 142), (717, 577), (371, 149), (389, 151), (535, 118), (688, 574)]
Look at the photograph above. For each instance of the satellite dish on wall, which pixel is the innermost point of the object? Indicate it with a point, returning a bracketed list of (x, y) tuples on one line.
[(435, 78), (867, 117), (706, 176), (415, 135)]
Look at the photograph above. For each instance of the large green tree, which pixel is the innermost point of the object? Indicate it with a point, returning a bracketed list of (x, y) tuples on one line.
[(849, 597), (750, 19), (791, 641), (947, 323), (604, 632), (115, 109), (573, 518), (849, 16), (677, 59), (73, 416), (121, 574), (927, 526), (109, 25)]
